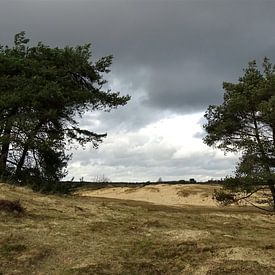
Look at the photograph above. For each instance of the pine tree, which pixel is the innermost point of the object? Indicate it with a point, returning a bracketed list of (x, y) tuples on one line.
[(43, 91), (245, 123)]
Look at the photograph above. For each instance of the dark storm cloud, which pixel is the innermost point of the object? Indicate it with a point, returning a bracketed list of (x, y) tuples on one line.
[(188, 47)]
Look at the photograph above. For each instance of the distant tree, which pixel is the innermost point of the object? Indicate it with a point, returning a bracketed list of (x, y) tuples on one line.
[(160, 180), (102, 179), (43, 91), (245, 123)]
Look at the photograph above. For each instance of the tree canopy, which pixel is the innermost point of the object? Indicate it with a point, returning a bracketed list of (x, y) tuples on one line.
[(43, 92), (245, 123)]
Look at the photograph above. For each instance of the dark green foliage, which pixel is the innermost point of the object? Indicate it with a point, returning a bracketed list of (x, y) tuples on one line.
[(224, 198), (43, 91), (245, 123)]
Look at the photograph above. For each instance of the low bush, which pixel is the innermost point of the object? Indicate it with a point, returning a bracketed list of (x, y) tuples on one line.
[(11, 206)]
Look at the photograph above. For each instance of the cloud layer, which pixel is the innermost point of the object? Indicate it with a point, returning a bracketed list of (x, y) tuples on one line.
[(171, 57)]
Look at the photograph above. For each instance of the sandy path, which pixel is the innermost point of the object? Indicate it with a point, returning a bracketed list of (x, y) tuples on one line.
[(164, 194)]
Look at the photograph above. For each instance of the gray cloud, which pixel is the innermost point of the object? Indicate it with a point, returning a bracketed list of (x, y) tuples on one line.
[(126, 165), (165, 36)]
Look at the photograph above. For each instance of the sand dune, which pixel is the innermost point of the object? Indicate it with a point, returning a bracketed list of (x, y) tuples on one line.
[(163, 194)]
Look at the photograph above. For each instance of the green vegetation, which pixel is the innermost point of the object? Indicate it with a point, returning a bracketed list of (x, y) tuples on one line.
[(79, 235), (43, 91), (245, 123)]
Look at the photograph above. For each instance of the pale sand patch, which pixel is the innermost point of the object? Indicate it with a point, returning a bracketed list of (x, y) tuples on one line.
[(247, 254), (163, 194), (265, 258), (187, 235)]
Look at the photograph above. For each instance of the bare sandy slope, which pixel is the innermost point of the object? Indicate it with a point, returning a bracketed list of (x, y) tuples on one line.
[(163, 194)]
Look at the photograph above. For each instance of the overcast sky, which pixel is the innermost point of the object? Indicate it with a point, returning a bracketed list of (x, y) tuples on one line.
[(171, 57)]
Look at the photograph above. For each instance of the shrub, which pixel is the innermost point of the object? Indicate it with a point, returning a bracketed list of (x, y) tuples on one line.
[(11, 206)]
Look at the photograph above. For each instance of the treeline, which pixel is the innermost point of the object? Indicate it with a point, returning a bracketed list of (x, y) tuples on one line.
[(69, 186)]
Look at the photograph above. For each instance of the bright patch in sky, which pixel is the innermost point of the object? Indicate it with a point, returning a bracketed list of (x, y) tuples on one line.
[(172, 146)]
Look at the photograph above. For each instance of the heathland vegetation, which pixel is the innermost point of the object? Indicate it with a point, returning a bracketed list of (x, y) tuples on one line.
[(86, 235)]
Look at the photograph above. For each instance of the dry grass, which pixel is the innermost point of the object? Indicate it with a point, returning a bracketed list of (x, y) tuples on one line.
[(79, 235)]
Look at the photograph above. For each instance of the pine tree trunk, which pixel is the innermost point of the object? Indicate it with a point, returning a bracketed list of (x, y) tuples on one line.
[(5, 151), (26, 148), (270, 182), (6, 135), (22, 160)]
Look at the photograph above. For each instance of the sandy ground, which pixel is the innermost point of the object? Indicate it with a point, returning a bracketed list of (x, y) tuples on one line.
[(163, 194)]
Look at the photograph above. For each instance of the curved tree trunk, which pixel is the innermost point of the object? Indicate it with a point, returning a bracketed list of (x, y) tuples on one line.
[(6, 135), (21, 161), (32, 135), (266, 161), (5, 150)]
